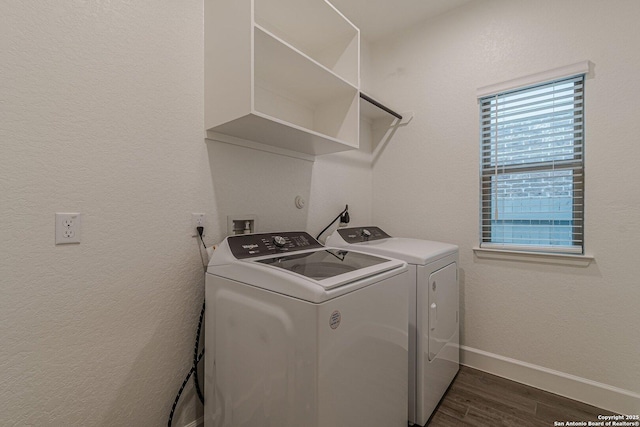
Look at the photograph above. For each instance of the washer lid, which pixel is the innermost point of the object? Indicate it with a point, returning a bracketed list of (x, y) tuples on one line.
[(413, 251), (314, 274), (325, 264)]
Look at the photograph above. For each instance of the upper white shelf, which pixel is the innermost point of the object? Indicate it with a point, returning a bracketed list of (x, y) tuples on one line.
[(283, 73), (303, 78), (315, 28)]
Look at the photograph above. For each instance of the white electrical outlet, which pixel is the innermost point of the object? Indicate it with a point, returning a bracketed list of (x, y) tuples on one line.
[(197, 220), (68, 228)]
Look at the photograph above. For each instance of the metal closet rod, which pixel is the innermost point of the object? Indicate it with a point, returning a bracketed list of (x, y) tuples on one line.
[(380, 106)]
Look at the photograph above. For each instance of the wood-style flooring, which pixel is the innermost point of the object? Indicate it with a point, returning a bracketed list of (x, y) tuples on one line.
[(476, 398)]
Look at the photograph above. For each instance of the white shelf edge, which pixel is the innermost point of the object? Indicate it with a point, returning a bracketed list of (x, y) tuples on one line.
[(538, 257), (303, 129), (335, 9), (304, 55), (340, 145), (228, 139)]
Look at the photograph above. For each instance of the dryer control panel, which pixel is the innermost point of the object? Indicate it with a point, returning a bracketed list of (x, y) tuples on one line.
[(362, 234), (255, 245)]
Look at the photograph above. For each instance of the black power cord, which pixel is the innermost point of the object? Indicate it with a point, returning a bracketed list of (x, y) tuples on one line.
[(184, 384), (196, 357), (200, 231), (195, 349), (200, 234), (194, 370), (344, 218)]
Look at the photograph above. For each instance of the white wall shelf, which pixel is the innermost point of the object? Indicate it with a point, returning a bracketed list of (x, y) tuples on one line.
[(315, 28), (287, 78)]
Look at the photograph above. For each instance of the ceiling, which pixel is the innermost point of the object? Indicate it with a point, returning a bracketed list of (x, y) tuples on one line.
[(380, 18)]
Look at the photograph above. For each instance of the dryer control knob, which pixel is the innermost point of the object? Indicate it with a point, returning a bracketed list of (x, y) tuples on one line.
[(279, 241), (365, 233)]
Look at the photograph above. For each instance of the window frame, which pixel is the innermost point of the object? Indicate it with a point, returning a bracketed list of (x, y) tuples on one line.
[(576, 164)]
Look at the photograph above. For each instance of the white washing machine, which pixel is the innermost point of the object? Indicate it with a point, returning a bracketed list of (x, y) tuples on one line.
[(434, 331), (298, 334)]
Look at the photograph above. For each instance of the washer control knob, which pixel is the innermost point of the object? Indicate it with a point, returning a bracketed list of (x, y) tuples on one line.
[(279, 241), (365, 233)]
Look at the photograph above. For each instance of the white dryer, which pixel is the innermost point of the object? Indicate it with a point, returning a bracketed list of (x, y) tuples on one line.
[(297, 334), (434, 331)]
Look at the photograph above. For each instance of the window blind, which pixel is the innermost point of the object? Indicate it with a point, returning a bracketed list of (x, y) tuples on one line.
[(532, 167)]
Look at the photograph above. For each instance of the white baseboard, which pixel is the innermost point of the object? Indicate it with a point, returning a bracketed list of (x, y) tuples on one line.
[(196, 423), (577, 388)]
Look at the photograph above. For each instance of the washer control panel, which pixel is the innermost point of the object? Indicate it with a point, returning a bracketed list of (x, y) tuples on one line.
[(255, 245), (362, 234)]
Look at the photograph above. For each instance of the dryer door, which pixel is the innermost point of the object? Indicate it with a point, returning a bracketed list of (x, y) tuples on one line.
[(438, 336), (443, 309)]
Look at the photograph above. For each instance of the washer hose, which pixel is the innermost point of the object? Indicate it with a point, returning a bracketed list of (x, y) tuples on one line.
[(195, 357), (194, 370), (184, 383)]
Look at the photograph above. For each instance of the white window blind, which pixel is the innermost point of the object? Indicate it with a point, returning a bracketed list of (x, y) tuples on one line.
[(532, 167)]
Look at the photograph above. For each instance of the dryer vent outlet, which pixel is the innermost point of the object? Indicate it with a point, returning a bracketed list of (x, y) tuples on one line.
[(241, 224)]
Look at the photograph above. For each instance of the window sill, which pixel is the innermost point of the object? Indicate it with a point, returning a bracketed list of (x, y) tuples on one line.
[(537, 257)]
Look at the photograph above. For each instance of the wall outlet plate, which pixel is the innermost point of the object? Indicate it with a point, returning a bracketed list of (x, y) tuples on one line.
[(197, 220), (68, 228)]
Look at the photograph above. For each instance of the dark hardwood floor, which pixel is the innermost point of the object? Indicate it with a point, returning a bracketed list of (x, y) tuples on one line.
[(476, 398)]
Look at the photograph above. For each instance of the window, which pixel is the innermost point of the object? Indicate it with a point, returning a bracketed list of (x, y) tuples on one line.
[(532, 168)]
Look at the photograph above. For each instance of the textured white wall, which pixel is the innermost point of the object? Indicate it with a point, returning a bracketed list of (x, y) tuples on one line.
[(101, 112), (248, 181), (580, 321)]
